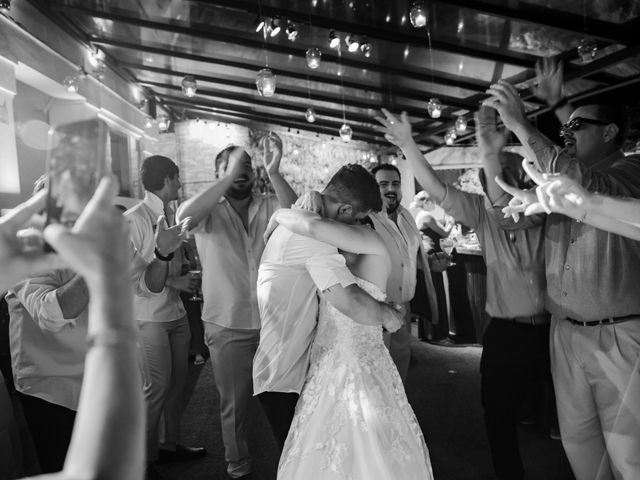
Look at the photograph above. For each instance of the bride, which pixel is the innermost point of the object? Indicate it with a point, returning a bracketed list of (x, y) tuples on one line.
[(353, 420)]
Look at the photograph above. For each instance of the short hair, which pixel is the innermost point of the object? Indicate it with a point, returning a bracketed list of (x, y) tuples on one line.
[(154, 170), (615, 113), (386, 166), (354, 185)]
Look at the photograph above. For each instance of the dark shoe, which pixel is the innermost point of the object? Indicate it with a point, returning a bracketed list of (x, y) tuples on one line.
[(181, 454)]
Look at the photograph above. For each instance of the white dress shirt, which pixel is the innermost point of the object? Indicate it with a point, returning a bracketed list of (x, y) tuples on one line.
[(293, 269), (230, 256), (166, 305), (47, 350)]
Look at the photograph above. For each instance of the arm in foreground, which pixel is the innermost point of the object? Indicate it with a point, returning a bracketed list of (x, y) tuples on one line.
[(108, 435)]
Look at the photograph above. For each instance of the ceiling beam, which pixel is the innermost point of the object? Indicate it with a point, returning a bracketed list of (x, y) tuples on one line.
[(530, 13), (233, 37), (395, 92), (296, 109), (314, 96), (380, 31), (325, 128)]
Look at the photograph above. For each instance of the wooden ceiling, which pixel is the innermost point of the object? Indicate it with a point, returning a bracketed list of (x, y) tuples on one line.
[(467, 45)]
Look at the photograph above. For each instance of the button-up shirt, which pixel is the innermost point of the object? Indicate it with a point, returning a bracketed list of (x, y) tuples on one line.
[(47, 350), (293, 269), (514, 256), (591, 274), (148, 306), (230, 256)]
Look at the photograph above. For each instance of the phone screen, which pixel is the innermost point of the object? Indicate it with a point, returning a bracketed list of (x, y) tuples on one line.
[(78, 157)]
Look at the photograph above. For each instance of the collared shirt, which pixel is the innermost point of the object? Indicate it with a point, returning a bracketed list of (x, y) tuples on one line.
[(514, 257), (47, 350), (163, 306), (293, 269), (402, 240), (592, 274), (230, 256)]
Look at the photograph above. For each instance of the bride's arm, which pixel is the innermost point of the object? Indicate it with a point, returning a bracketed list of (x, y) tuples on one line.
[(350, 238)]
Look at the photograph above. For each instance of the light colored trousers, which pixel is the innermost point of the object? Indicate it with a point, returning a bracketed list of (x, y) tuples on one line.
[(232, 352), (166, 361), (399, 345), (596, 375)]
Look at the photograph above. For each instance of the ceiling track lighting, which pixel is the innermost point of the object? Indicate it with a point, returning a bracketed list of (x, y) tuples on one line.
[(291, 31), (258, 24), (352, 43), (334, 39)]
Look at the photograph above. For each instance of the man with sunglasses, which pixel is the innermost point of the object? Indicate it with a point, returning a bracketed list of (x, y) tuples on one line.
[(592, 282)]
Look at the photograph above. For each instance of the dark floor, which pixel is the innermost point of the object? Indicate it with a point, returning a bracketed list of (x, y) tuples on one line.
[(443, 388)]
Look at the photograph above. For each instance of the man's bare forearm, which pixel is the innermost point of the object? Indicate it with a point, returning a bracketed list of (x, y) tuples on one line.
[(155, 276)]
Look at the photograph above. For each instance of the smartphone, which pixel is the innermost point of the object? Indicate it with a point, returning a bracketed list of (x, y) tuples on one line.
[(78, 157)]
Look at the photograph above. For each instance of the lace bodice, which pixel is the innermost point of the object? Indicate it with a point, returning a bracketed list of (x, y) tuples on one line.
[(336, 330)]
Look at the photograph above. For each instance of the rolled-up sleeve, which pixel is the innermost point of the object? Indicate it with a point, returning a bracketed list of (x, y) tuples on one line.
[(328, 270), (466, 208), (38, 296), (139, 263)]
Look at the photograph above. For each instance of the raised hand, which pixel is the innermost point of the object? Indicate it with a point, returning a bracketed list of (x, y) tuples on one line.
[(549, 80), (506, 100), (168, 239), (396, 131), (311, 201), (17, 262), (271, 145), (235, 166), (490, 139), (97, 245)]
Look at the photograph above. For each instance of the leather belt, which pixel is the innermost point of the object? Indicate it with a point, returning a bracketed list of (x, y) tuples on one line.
[(535, 320), (603, 321)]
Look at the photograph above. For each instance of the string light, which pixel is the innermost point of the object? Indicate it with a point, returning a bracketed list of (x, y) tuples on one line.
[(163, 123), (450, 137), (266, 82), (418, 15), (310, 115), (461, 124), (434, 107), (313, 58), (189, 86), (72, 83)]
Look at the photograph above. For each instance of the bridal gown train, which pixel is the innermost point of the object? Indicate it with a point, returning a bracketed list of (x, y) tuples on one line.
[(353, 420)]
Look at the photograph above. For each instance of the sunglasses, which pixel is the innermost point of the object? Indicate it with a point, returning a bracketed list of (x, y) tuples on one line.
[(577, 123)]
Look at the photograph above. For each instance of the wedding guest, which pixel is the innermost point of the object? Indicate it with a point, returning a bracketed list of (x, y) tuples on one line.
[(231, 221), (158, 309), (591, 289), (398, 230), (108, 437), (515, 344)]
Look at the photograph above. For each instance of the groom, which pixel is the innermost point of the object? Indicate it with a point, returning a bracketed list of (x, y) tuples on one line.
[(292, 271)]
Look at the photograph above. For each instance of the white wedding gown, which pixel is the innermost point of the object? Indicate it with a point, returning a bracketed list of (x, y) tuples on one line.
[(353, 420)]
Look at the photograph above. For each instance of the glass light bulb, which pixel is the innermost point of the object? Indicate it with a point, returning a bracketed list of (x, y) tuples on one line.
[(71, 83), (419, 15), (434, 107), (313, 58), (266, 82), (345, 133), (148, 123), (310, 115), (450, 136), (163, 123), (461, 124), (587, 49), (189, 86)]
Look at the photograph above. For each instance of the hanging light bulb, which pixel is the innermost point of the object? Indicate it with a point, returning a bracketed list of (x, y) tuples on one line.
[(72, 83), (291, 31), (418, 15), (189, 86), (310, 115), (274, 27), (345, 133), (5, 5), (352, 43), (142, 103), (365, 47), (313, 58), (450, 136), (334, 40), (587, 49), (266, 82), (148, 123), (434, 107), (461, 124), (163, 123), (258, 24)]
